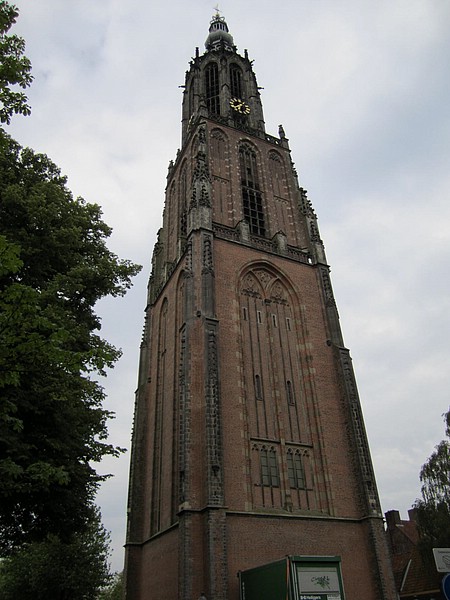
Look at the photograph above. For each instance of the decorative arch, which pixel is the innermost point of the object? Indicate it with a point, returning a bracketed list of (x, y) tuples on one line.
[(277, 174), (273, 283), (219, 157), (236, 81), (271, 337), (218, 132), (282, 208), (157, 470), (248, 144), (251, 286), (219, 149)]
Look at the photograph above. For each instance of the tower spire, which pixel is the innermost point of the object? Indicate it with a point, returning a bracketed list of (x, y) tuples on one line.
[(248, 442), (219, 34)]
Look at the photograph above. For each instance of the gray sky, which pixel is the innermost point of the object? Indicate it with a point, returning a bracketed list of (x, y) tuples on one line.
[(362, 89)]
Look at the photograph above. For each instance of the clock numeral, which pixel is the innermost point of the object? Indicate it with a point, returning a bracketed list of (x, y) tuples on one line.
[(239, 106)]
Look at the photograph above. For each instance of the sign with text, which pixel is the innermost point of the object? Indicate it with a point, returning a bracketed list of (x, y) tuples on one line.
[(442, 559), (318, 582)]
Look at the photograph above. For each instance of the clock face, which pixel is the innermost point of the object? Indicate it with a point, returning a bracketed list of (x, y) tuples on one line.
[(239, 106)]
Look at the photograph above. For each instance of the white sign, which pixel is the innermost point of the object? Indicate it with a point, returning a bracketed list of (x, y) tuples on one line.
[(442, 559), (323, 579)]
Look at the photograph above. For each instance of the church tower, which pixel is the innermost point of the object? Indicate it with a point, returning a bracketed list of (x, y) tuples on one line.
[(248, 442)]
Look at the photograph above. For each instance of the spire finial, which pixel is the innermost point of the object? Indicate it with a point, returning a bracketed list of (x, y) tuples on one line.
[(218, 32), (218, 16)]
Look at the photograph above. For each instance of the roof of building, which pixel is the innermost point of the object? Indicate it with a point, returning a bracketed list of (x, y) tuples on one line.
[(413, 577), (218, 33)]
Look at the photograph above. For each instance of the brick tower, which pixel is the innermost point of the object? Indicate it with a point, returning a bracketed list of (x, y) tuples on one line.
[(249, 442)]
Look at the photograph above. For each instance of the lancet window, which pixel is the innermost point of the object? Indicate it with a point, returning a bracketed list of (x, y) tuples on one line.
[(296, 472), (236, 81), (212, 88), (251, 192), (269, 467)]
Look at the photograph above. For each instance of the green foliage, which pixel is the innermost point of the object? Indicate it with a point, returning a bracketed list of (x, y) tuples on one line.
[(15, 69), (435, 476), (114, 591), (433, 510), (54, 267), (57, 570)]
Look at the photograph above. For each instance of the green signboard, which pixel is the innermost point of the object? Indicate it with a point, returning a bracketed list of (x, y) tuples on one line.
[(294, 578)]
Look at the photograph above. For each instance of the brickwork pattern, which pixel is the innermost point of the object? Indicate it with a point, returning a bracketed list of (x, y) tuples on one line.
[(248, 440)]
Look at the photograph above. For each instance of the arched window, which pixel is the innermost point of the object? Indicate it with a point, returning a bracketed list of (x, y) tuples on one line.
[(251, 194), (290, 392), (236, 81), (258, 387), (212, 88)]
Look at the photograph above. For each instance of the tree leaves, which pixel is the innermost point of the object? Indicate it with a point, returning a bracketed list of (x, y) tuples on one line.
[(433, 511), (54, 569), (54, 267), (435, 476), (15, 68)]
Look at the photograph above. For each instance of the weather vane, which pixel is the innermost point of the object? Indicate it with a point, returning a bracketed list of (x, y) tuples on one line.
[(216, 8)]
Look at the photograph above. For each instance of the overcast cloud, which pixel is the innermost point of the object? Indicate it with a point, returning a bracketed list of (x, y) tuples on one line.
[(363, 91)]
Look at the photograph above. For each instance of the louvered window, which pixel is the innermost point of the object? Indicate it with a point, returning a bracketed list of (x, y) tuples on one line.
[(212, 88), (251, 194)]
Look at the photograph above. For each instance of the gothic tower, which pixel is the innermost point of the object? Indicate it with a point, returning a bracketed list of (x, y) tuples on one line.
[(248, 442)]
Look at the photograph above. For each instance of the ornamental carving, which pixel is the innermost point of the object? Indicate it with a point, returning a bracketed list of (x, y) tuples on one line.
[(305, 204), (201, 182), (359, 434), (188, 260), (278, 293), (264, 277), (250, 286), (326, 282), (202, 134), (275, 156), (207, 255), (261, 283), (213, 423), (216, 133), (314, 232)]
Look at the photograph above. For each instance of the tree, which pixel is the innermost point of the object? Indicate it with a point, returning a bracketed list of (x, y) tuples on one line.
[(77, 570), (15, 68), (433, 510), (114, 590), (55, 266)]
